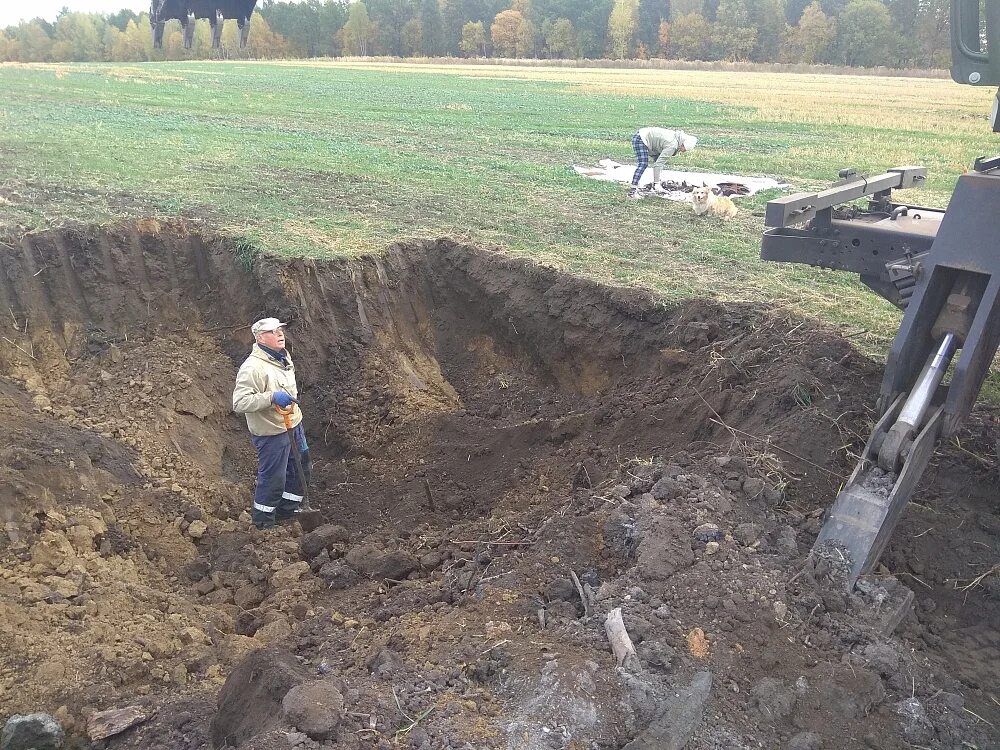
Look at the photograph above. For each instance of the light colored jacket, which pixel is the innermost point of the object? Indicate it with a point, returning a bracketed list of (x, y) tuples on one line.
[(662, 144), (257, 380)]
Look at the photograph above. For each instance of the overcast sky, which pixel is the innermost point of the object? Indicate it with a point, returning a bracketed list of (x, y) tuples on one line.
[(13, 11)]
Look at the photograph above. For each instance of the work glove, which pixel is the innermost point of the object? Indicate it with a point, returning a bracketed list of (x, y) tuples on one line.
[(282, 399)]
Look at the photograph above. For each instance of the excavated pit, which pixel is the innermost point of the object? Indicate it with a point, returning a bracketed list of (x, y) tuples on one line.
[(480, 426)]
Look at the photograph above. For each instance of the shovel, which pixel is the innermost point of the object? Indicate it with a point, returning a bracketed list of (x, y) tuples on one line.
[(308, 517)]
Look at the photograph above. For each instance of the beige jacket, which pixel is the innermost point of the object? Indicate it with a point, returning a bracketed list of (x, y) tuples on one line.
[(662, 143), (258, 378)]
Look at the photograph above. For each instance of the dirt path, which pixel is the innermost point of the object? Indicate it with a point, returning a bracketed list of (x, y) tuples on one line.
[(484, 430)]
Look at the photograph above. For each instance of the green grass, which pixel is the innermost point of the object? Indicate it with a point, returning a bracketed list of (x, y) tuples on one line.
[(327, 159)]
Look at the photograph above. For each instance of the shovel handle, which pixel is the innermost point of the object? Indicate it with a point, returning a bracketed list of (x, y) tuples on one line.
[(286, 414)]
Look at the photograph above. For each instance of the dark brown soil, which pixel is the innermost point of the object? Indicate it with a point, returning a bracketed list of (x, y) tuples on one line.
[(483, 430)]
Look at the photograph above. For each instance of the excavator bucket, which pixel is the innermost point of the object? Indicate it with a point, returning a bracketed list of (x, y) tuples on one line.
[(189, 11), (861, 520), (948, 338)]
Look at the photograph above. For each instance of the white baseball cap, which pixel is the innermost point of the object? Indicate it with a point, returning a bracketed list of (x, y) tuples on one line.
[(688, 141), (266, 324)]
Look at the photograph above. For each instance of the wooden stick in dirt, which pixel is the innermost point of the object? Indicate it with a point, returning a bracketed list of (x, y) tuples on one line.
[(621, 644), (582, 593), (430, 497), (109, 723)]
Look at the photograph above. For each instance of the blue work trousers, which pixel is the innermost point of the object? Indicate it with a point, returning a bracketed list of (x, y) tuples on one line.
[(641, 157), (279, 492)]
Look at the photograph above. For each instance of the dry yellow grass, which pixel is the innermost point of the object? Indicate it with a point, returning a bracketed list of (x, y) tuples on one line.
[(866, 101)]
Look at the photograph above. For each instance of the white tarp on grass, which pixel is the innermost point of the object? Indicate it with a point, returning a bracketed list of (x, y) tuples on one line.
[(612, 171)]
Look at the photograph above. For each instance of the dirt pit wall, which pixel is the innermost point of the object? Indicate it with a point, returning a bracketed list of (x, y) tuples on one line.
[(472, 419)]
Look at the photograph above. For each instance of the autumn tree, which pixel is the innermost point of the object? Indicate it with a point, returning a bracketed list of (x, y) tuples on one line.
[(412, 38), (734, 42), (263, 43), (120, 19), (691, 37), (202, 46), (810, 40), (863, 33), (768, 18), (387, 19), (357, 30), (33, 42), (173, 44), (650, 14), (77, 37), (8, 47), (473, 38), (505, 31), (135, 42), (750, 29), (734, 34), (663, 37), (132, 45), (621, 27), (310, 27), (589, 19), (513, 35), (526, 39), (560, 39)]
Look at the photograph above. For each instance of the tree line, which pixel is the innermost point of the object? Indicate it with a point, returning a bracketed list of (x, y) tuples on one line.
[(867, 33)]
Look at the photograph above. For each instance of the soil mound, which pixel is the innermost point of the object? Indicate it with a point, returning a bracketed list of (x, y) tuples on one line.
[(504, 455)]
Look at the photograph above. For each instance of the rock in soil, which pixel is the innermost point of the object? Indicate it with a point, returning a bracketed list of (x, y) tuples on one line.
[(250, 702), (680, 717), (315, 708), (31, 732)]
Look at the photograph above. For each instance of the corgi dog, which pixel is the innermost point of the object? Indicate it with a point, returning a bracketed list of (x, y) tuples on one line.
[(704, 201)]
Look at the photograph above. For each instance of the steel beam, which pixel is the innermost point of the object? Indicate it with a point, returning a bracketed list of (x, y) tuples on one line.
[(798, 208)]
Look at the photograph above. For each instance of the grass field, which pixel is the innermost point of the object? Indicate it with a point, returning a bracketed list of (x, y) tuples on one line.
[(327, 158)]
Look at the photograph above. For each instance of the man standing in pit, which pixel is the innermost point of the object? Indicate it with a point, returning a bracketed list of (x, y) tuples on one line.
[(658, 143), (265, 384)]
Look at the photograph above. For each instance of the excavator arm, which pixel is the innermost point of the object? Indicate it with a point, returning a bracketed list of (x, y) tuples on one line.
[(943, 269)]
